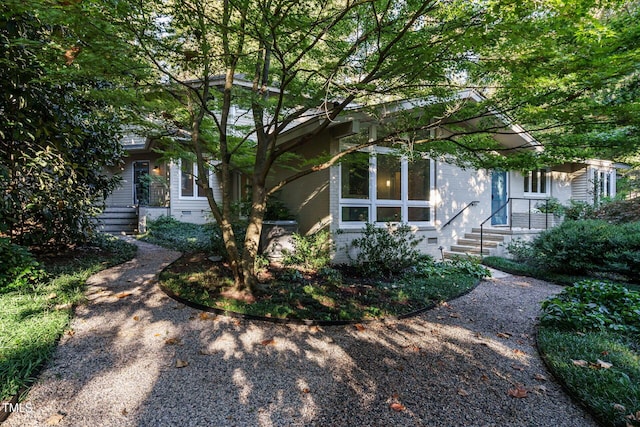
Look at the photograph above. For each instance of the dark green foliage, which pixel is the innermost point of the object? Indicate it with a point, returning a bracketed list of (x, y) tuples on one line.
[(458, 265), (18, 267), (521, 250), (593, 305), (589, 246), (312, 251), (577, 210), (612, 395), (524, 269), (181, 236), (620, 211), (385, 251)]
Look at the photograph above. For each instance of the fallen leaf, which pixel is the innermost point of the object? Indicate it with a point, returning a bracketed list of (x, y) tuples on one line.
[(123, 295), (484, 377), (414, 348), (52, 296), (124, 411), (519, 352), (268, 342), (463, 392), (359, 327), (314, 329), (540, 377), (172, 341), (504, 335), (580, 362), (306, 390), (519, 392), (204, 316), (540, 389), (136, 318), (156, 335), (601, 364), (398, 407), (71, 332), (455, 315), (620, 408), (55, 419), (518, 367), (181, 363)]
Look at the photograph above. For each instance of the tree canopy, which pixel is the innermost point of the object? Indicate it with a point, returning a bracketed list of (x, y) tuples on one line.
[(59, 121)]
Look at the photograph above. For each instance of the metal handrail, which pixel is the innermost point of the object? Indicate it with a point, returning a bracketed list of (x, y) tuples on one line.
[(475, 202), (510, 204)]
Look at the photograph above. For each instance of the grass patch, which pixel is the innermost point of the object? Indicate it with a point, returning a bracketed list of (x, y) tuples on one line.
[(34, 317), (324, 294), (523, 269), (613, 394)]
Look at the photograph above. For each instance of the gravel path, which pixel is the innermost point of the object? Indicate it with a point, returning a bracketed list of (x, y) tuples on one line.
[(452, 366)]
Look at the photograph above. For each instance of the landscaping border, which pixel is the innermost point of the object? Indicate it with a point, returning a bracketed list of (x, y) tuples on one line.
[(308, 322)]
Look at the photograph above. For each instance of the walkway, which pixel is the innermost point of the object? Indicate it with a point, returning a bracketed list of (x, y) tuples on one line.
[(137, 358)]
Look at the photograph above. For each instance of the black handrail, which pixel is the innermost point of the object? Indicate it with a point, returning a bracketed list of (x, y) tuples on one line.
[(475, 202), (510, 204)]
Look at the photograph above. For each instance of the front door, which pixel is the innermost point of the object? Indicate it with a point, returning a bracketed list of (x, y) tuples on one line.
[(499, 198), (141, 183)]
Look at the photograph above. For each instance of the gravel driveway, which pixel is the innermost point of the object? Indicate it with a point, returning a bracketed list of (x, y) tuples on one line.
[(135, 357)]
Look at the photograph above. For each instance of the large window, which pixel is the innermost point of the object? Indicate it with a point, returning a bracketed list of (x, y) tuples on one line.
[(188, 176), (603, 185), (381, 186), (536, 182)]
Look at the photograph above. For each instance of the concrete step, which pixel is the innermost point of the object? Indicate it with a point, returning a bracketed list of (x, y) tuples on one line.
[(493, 231), (486, 237), (469, 249), (476, 242)]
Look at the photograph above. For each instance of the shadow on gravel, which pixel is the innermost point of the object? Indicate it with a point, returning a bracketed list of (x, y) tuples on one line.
[(139, 358)]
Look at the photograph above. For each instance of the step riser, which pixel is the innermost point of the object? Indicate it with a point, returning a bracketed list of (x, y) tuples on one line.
[(486, 237)]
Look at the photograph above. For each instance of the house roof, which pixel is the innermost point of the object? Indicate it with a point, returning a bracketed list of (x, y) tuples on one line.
[(511, 135)]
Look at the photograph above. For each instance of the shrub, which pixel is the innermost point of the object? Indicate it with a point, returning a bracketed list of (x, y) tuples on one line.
[(311, 252), (18, 267), (590, 246), (181, 236), (521, 250), (620, 211), (592, 305), (385, 251), (577, 210)]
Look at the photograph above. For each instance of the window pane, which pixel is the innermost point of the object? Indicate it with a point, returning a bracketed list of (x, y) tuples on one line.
[(534, 181), (543, 181), (388, 175), (187, 179), (419, 214), (355, 176), (419, 179), (351, 213), (527, 178), (201, 192), (388, 214)]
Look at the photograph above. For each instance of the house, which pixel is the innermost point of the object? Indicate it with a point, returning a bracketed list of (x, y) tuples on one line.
[(457, 210)]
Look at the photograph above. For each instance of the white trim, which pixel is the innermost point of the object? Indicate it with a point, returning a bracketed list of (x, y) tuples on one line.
[(536, 194), (372, 202), (196, 187)]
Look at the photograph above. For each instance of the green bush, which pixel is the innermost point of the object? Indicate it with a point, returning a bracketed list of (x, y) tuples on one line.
[(577, 210), (457, 265), (620, 211), (521, 250), (589, 246), (181, 236), (593, 305), (385, 251), (18, 267), (312, 251)]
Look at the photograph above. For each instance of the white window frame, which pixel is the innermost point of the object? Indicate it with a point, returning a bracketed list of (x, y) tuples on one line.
[(547, 182), (602, 182), (373, 202), (194, 166)]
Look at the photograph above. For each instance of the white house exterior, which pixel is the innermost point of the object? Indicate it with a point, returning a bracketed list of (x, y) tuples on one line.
[(443, 203)]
